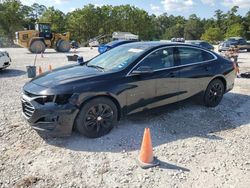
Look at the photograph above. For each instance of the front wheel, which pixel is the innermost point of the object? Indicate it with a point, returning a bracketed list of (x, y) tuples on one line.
[(62, 46), (37, 47), (97, 117), (214, 93)]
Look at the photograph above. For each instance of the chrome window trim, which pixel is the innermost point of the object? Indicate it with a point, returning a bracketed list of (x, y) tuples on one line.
[(215, 57)]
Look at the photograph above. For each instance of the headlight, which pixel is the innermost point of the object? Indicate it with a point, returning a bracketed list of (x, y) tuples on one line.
[(45, 99), (62, 99)]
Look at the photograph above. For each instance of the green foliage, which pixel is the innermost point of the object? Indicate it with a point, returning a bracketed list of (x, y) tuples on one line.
[(212, 35), (55, 17), (193, 28), (91, 21), (176, 31), (12, 14), (235, 30)]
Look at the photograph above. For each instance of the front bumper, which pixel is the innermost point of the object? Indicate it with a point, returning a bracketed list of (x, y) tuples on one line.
[(49, 118)]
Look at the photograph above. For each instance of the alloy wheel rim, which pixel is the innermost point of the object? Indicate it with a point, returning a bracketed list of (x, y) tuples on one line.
[(215, 93), (98, 117)]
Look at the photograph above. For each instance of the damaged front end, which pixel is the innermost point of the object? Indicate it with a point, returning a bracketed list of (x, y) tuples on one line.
[(53, 114)]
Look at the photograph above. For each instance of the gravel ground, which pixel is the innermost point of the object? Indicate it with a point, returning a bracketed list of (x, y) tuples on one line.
[(197, 146)]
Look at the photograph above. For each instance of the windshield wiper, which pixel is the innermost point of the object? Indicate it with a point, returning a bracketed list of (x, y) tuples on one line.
[(96, 66)]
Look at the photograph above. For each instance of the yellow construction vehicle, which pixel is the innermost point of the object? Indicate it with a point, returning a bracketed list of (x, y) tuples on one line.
[(41, 38)]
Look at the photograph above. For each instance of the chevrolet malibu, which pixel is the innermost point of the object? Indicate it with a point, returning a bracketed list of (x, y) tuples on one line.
[(92, 96)]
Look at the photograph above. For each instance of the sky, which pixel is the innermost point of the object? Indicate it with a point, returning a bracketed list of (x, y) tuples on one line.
[(202, 8)]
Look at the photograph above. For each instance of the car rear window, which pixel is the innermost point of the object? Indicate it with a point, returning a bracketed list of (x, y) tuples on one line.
[(192, 55)]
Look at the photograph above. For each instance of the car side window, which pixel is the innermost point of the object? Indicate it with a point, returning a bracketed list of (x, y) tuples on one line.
[(193, 55), (163, 58), (241, 41), (207, 56)]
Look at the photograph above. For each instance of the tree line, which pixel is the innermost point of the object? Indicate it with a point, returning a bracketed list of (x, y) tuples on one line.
[(90, 21)]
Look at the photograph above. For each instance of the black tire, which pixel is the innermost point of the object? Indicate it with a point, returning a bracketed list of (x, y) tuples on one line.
[(97, 117), (214, 93), (37, 46), (248, 50), (63, 46)]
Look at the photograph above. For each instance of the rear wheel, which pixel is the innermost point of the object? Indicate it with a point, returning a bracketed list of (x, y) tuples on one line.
[(214, 93), (97, 117), (63, 46), (37, 47)]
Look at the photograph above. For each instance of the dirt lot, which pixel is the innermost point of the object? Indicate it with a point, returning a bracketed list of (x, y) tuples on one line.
[(197, 146)]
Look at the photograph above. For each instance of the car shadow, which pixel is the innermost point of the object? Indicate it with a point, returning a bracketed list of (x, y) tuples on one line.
[(11, 73), (170, 123)]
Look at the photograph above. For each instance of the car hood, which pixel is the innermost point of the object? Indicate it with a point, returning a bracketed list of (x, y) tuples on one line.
[(66, 75)]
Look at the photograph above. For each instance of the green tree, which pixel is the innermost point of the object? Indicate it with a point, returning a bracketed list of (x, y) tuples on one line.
[(235, 30), (37, 11), (56, 18), (176, 31), (193, 28), (246, 24), (12, 14), (212, 35)]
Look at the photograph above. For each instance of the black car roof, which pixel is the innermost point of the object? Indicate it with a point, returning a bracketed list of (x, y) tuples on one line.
[(153, 44)]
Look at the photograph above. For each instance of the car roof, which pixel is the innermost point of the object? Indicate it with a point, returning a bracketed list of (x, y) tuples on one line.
[(114, 42), (156, 44), (195, 41), (153, 44)]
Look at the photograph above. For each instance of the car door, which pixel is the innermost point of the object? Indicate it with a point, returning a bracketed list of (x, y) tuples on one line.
[(195, 70), (157, 87)]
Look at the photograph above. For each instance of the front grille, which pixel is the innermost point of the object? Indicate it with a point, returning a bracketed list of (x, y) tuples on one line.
[(28, 108)]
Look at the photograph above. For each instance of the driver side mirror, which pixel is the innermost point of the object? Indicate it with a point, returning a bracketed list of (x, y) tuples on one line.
[(142, 70)]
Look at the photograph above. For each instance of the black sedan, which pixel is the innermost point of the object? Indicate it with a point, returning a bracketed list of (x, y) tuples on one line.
[(92, 97)]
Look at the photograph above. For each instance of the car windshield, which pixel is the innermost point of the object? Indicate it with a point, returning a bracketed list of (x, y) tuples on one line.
[(117, 58)]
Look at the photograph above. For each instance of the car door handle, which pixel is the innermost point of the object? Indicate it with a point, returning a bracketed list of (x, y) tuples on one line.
[(171, 74)]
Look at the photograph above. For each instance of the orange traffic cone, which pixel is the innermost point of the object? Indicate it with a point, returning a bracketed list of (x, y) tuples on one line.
[(40, 71), (146, 158), (50, 68)]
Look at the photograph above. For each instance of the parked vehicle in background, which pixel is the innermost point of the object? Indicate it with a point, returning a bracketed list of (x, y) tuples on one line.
[(121, 36), (130, 78), (41, 38), (124, 36), (240, 42), (4, 59), (201, 43), (105, 47), (224, 46)]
